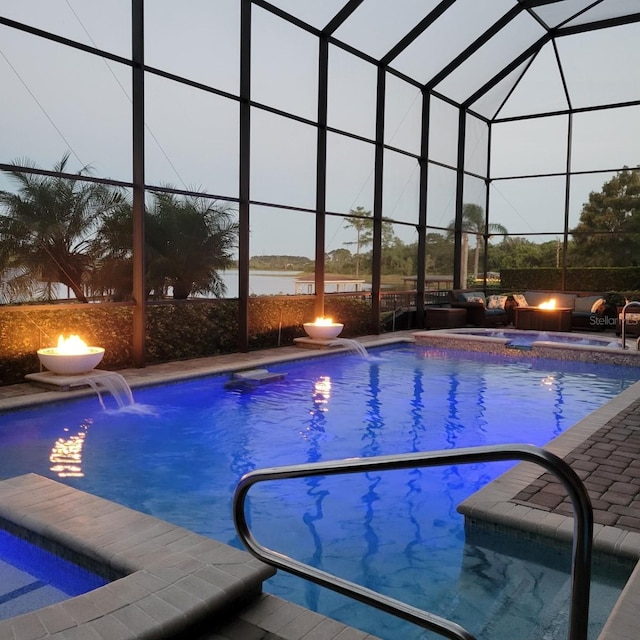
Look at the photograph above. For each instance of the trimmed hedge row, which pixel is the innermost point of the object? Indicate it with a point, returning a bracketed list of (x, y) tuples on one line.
[(175, 330), (578, 279)]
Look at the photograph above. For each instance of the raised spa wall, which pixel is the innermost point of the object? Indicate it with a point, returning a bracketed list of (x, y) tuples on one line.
[(459, 339)]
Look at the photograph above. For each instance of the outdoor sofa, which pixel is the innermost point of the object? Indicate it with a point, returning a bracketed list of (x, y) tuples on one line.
[(587, 311), (482, 311)]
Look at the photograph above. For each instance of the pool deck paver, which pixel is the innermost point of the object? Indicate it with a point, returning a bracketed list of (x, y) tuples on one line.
[(603, 448)]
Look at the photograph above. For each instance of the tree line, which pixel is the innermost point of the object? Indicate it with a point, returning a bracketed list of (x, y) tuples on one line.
[(607, 235), (60, 230)]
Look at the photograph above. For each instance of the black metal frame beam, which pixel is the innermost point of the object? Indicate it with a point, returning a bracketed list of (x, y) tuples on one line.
[(321, 152), (138, 160), (416, 32), (244, 175), (321, 174), (457, 239), (422, 210), (376, 251), (474, 46)]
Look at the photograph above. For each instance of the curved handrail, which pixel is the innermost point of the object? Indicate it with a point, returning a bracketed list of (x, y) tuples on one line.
[(582, 530), (633, 303)]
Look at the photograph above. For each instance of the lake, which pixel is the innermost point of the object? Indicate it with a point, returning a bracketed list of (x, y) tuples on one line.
[(263, 283)]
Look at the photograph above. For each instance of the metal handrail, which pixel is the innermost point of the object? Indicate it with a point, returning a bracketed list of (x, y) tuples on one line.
[(633, 303), (582, 529)]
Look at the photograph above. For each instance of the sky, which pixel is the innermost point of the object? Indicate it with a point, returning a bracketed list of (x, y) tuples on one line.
[(56, 99)]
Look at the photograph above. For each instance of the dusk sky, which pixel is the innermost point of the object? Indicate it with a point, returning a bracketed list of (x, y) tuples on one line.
[(57, 99)]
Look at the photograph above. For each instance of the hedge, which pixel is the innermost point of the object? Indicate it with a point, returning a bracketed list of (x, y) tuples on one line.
[(175, 330), (577, 279)]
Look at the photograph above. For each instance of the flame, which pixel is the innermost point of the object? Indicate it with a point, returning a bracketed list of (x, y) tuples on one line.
[(72, 345), (549, 304), (324, 322)]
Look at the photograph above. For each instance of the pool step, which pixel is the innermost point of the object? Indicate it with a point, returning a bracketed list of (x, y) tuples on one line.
[(164, 579), (253, 378)]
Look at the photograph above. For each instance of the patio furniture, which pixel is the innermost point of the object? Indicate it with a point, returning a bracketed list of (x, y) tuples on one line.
[(445, 318), (537, 319), (585, 311), (481, 310)]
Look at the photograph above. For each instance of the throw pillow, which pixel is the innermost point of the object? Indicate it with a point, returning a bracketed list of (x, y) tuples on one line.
[(496, 302), (520, 300), (596, 308), (471, 296)]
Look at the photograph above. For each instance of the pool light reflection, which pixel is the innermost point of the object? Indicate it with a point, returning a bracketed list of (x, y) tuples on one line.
[(322, 393), (66, 453)]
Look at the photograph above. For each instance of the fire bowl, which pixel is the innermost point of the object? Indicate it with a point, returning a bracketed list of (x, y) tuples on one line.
[(323, 331), (67, 364)]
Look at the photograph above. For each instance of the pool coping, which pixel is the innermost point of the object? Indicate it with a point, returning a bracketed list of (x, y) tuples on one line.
[(30, 393), (166, 581), (164, 577), (491, 502)]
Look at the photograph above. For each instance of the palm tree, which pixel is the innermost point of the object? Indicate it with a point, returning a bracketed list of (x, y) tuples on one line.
[(46, 227), (188, 240), (113, 250), (473, 222), (364, 232), (363, 224)]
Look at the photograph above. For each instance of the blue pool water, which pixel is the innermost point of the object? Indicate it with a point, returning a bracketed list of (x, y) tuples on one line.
[(397, 532), (31, 577)]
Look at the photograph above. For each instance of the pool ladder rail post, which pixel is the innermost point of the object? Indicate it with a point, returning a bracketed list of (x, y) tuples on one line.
[(633, 303), (582, 528)]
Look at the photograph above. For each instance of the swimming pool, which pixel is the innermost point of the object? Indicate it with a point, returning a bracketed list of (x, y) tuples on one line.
[(395, 532)]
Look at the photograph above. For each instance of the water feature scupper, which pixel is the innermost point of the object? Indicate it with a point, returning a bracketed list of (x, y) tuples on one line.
[(71, 364), (115, 384), (324, 333)]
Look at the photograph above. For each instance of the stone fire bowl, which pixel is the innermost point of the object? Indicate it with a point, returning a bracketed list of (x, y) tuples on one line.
[(66, 364), (323, 331)]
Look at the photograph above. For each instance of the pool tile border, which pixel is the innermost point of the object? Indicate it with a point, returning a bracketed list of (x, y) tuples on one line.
[(458, 339)]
